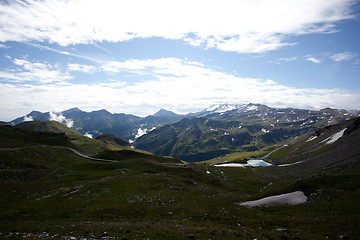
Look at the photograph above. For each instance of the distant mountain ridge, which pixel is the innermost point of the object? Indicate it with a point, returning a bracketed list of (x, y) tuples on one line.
[(217, 130), (263, 112), (226, 128), (99, 122)]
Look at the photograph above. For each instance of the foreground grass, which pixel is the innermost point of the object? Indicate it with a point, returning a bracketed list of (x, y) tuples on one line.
[(47, 189)]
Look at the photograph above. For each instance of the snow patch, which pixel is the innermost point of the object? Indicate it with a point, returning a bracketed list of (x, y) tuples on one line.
[(58, 117), (252, 108), (221, 108), (333, 138), (140, 132), (258, 163), (89, 135), (293, 198), (311, 138), (264, 130), (231, 165), (250, 163)]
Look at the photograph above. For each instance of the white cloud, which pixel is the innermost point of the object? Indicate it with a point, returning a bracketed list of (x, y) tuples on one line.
[(61, 119), (312, 59), (288, 59), (229, 25), (344, 56), (281, 60), (27, 71), (75, 67), (28, 119), (87, 134), (170, 83)]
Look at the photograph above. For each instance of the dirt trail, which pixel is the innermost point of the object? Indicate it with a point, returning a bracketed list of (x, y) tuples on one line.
[(71, 149), (267, 155), (86, 156)]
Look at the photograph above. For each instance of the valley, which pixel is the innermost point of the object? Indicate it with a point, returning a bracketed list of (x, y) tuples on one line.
[(189, 120), (56, 183)]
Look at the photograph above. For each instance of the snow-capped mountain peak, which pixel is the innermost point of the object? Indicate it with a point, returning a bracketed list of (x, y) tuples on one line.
[(221, 108), (251, 107)]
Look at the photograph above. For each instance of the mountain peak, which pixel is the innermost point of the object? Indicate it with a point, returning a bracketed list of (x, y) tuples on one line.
[(101, 111), (75, 109), (164, 113), (220, 108)]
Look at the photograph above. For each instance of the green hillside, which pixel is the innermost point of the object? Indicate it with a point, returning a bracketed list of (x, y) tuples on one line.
[(49, 191), (82, 143), (11, 137), (199, 139)]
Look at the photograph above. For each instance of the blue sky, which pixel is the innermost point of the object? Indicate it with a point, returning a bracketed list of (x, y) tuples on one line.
[(140, 56)]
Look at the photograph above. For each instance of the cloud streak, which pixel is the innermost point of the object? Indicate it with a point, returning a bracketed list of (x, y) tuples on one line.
[(61, 119), (344, 56), (228, 25), (312, 59), (75, 67)]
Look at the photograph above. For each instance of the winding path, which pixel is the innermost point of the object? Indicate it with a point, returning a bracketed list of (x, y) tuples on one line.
[(71, 149), (174, 165), (267, 155), (86, 156)]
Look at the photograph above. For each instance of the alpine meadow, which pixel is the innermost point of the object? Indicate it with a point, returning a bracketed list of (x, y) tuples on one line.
[(179, 119)]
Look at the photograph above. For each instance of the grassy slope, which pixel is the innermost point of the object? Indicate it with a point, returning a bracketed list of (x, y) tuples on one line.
[(16, 137), (200, 139), (135, 198), (51, 189), (84, 144)]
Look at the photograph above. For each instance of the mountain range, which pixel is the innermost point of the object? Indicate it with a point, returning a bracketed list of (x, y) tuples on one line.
[(226, 128), (215, 131), (57, 183), (95, 123)]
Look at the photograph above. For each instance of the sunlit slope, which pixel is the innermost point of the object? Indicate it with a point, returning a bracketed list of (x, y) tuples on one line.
[(81, 142), (50, 188), (11, 137)]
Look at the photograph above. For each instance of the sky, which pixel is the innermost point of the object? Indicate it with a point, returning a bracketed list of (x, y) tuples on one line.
[(139, 56)]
